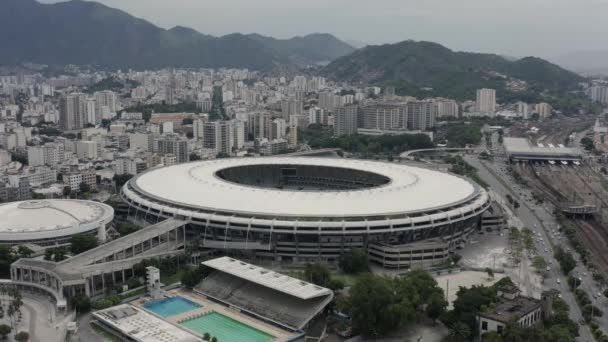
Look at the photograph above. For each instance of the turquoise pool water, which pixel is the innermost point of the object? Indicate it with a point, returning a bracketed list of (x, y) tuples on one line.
[(226, 329), (171, 306)]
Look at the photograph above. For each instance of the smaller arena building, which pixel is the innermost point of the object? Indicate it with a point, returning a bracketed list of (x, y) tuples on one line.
[(52, 222)]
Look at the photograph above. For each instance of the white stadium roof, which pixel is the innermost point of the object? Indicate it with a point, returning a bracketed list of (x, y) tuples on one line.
[(262, 276), (410, 190), (46, 219)]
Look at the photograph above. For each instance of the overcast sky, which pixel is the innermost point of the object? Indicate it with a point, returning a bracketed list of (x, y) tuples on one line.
[(543, 28)]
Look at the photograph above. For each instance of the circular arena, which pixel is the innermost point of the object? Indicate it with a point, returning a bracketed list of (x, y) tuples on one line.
[(51, 222), (303, 209)]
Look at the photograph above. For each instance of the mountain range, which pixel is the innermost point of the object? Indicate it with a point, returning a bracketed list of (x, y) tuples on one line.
[(89, 33), (423, 69)]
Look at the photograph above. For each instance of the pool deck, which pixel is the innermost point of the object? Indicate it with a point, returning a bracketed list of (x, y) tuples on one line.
[(210, 306)]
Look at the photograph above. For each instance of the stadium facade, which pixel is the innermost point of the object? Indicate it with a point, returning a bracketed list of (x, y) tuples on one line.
[(303, 209)]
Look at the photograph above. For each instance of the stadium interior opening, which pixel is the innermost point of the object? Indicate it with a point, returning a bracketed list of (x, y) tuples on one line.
[(302, 177)]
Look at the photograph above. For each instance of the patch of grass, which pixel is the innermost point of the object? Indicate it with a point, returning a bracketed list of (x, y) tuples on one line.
[(173, 278), (348, 279)]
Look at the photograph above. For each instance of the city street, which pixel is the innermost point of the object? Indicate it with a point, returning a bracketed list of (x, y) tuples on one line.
[(540, 221)]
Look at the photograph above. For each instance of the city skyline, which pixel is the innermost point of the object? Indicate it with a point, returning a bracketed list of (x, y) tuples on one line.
[(511, 28)]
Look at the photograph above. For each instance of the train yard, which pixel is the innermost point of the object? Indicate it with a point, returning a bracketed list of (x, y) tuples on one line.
[(572, 186)]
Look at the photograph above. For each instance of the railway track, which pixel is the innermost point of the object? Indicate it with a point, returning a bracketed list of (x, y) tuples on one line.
[(593, 239), (592, 234)]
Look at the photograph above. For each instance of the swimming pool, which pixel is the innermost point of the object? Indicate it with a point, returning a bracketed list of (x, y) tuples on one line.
[(226, 329), (171, 306)]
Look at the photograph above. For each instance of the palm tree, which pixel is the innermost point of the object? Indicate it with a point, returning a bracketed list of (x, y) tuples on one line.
[(459, 332)]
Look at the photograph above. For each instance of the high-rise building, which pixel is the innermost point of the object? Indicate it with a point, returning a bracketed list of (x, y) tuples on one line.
[(290, 107), (329, 101), (143, 141), (389, 91), (446, 108), (420, 115), (599, 94), (198, 126), (523, 109), (544, 110), (72, 111), (50, 154), (108, 99), (317, 115), (293, 131), (91, 112), (345, 120), (380, 117), (219, 136), (299, 82), (87, 150), (279, 129), (259, 125), (173, 144), (486, 101)]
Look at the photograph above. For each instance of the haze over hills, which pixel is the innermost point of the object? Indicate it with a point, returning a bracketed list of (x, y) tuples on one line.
[(412, 66), (82, 32), (589, 61)]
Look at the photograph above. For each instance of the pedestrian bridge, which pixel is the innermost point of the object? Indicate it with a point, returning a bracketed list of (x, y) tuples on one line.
[(100, 268)]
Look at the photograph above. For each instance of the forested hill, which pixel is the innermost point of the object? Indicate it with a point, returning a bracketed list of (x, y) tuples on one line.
[(88, 33), (428, 69)]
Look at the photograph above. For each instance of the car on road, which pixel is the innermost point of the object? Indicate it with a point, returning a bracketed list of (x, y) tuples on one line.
[(558, 281)]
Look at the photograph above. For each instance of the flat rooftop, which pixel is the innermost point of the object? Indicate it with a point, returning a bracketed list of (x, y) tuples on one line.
[(510, 310), (265, 277), (522, 148), (142, 326)]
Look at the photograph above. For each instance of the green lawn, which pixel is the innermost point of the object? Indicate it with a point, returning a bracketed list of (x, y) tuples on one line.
[(173, 278)]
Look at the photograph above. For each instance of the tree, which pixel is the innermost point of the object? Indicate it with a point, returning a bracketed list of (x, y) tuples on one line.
[(22, 336), (82, 243), (436, 306), (566, 260), (490, 272), (120, 180), (335, 284), (317, 274), (5, 330), (378, 305), (194, 157), (354, 261), (459, 332), (84, 187), (469, 302), (24, 251), (539, 263), (491, 336), (206, 336), (214, 339), (81, 304), (67, 191), (217, 105), (126, 228)]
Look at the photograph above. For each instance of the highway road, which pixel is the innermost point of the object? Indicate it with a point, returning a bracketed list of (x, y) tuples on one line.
[(540, 221)]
